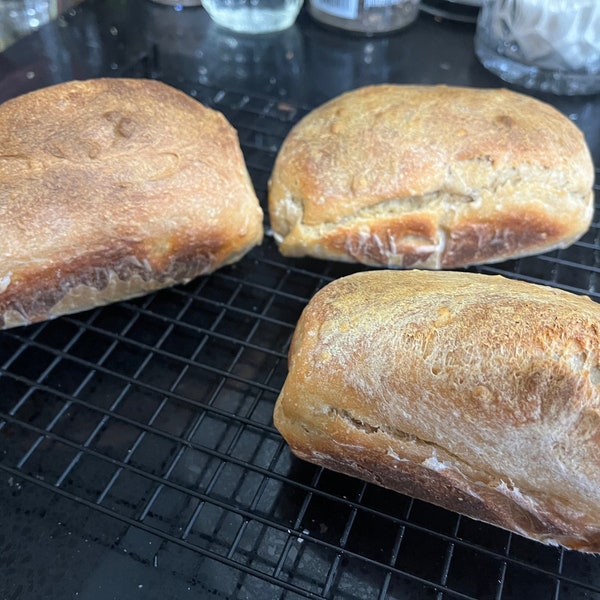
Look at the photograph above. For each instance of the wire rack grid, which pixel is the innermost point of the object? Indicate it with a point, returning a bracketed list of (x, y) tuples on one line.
[(148, 424)]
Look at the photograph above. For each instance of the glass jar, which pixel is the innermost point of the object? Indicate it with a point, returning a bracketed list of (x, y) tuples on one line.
[(547, 45), (181, 3), (253, 16), (365, 16)]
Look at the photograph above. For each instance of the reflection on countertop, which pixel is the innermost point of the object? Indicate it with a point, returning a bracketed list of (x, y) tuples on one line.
[(20, 17)]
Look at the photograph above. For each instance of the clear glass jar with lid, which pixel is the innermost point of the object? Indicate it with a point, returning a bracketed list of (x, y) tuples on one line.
[(365, 16)]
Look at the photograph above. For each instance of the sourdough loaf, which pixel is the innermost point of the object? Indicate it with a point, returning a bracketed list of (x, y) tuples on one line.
[(477, 393), (430, 177), (111, 188)]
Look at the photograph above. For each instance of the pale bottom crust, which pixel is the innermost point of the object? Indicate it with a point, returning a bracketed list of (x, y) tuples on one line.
[(410, 467), (369, 246), (106, 287), (83, 297), (390, 235)]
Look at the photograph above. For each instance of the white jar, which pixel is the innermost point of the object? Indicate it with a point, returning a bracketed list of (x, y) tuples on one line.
[(549, 45), (365, 16)]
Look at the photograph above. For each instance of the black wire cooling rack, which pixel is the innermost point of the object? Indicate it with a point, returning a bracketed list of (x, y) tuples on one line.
[(147, 427)]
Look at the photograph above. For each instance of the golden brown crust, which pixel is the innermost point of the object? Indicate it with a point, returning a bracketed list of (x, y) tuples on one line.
[(359, 171), (477, 393), (110, 188)]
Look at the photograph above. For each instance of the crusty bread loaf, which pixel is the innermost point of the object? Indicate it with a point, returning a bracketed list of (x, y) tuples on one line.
[(474, 392), (111, 188), (430, 177)]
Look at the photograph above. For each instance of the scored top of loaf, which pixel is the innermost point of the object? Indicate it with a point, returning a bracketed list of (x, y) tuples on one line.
[(116, 176), (420, 162)]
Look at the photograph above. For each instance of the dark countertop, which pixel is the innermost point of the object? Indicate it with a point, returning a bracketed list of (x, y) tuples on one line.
[(137, 453)]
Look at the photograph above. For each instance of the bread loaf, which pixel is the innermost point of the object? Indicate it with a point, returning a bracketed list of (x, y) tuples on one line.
[(477, 393), (430, 177), (111, 188)]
